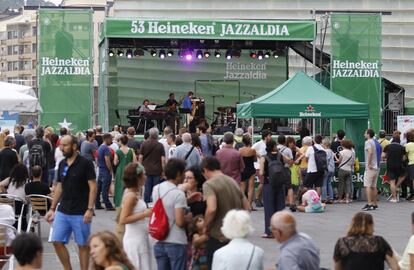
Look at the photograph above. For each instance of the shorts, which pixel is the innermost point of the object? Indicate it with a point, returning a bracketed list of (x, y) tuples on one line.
[(395, 173), (314, 209), (410, 170), (64, 225), (371, 177), (313, 179)]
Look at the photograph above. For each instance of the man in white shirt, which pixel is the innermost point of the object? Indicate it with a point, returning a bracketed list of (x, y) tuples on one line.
[(314, 178), (260, 148), (163, 141)]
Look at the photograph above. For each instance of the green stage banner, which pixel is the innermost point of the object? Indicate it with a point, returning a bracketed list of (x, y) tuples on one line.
[(356, 61), (65, 67), (203, 29)]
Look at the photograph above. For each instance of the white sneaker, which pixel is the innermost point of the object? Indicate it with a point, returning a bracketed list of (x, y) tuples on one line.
[(393, 201)]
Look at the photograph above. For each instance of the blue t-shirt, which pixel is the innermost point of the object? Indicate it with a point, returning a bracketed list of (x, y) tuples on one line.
[(187, 103), (103, 151)]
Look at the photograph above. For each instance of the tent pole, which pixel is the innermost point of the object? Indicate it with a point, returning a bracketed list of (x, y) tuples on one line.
[(252, 129), (313, 127)]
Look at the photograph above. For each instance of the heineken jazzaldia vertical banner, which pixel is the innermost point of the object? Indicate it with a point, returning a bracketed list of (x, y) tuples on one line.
[(65, 67), (356, 61)]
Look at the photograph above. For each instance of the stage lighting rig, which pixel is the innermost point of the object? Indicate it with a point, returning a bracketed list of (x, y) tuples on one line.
[(128, 54)]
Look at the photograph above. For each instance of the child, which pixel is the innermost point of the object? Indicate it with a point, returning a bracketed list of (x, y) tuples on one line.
[(311, 203), (198, 238)]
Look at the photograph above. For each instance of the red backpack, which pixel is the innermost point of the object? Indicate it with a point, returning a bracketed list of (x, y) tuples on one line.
[(159, 226)]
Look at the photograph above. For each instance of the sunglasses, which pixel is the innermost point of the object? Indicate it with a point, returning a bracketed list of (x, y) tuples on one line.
[(65, 170)]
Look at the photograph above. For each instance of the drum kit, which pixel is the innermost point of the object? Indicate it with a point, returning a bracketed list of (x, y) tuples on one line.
[(225, 119)]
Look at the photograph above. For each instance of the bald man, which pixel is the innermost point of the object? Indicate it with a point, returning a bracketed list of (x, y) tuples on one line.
[(297, 250), (187, 152)]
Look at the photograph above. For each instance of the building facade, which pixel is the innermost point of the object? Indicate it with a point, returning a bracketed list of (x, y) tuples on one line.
[(18, 48)]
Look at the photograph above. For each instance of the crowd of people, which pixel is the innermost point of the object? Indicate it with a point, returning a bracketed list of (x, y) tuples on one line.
[(204, 188)]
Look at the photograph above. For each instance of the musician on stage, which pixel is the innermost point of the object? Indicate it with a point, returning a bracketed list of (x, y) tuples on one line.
[(171, 115), (188, 106), (144, 107), (187, 103)]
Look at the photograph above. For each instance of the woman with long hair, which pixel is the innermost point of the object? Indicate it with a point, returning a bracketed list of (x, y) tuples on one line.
[(134, 215), (249, 173), (361, 249), (123, 156), (273, 197), (15, 184), (107, 253)]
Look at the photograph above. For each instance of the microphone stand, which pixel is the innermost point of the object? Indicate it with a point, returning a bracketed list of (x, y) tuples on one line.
[(214, 102)]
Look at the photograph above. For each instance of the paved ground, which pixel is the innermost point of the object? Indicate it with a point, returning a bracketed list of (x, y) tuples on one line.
[(391, 221)]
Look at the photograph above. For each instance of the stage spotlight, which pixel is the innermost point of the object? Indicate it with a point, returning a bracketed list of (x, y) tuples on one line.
[(170, 53), (228, 54), (138, 52), (162, 54), (260, 55), (275, 55), (128, 54), (236, 53), (253, 55), (153, 53), (206, 54), (267, 55), (111, 53), (199, 54), (188, 55), (217, 54), (120, 53)]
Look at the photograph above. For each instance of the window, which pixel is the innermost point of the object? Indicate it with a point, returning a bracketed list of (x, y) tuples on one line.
[(34, 48), (33, 64), (12, 34), (34, 30), (9, 50), (9, 66)]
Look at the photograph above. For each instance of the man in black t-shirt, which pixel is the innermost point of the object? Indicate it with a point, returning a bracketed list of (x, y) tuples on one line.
[(36, 187), (76, 192), (395, 154)]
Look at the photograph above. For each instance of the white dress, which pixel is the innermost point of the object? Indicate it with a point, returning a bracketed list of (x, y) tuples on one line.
[(136, 240)]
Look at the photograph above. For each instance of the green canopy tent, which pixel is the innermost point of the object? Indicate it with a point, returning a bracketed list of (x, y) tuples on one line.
[(303, 97)]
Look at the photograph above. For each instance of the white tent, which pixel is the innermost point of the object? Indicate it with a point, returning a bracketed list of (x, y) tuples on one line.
[(24, 89), (14, 99)]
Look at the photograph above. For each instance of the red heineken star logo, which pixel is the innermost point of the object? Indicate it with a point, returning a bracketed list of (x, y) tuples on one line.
[(385, 178), (310, 108)]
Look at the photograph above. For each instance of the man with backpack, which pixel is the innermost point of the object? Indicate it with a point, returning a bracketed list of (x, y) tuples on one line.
[(317, 165), (39, 151), (171, 249), (372, 151)]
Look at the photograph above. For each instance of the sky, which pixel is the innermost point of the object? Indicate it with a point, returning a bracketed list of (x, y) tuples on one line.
[(56, 2)]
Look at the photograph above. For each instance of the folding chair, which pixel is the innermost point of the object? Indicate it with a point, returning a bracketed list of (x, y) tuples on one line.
[(5, 252), (11, 200), (38, 207)]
